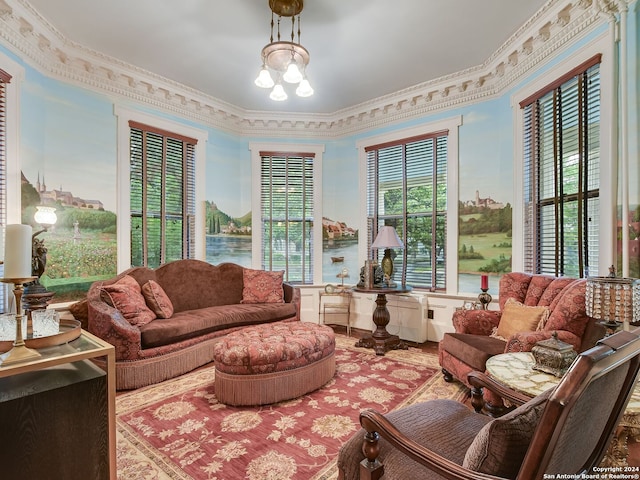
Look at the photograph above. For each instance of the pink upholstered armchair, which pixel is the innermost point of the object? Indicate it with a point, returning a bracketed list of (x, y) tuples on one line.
[(471, 345)]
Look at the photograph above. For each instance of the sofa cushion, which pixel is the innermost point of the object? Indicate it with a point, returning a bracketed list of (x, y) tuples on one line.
[(517, 317), (500, 447), (157, 300), (125, 295), (262, 286), (194, 323), (473, 350)]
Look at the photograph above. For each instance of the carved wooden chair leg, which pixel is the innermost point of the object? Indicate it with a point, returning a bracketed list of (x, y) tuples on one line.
[(370, 467), (477, 400)]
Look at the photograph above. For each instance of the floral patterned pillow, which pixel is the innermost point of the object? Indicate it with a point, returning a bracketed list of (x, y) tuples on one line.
[(157, 299), (126, 296), (262, 286)]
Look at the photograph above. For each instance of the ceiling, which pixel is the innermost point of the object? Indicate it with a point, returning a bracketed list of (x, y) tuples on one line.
[(360, 49)]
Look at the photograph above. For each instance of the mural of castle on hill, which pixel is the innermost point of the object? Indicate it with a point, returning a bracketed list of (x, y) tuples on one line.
[(81, 246)]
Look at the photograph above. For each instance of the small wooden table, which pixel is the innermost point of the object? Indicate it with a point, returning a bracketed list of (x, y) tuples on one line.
[(515, 370), (381, 340)]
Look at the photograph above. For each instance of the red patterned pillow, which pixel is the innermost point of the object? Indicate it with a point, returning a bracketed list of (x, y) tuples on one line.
[(157, 299), (262, 286), (126, 296)]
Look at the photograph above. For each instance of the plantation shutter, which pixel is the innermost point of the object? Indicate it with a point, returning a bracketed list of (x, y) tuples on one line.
[(561, 174), (162, 196), (287, 214), (407, 189), (5, 78)]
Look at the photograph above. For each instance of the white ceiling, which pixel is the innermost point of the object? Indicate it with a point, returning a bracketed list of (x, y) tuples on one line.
[(360, 49)]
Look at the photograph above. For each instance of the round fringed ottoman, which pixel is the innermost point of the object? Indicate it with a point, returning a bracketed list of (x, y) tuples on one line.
[(270, 363)]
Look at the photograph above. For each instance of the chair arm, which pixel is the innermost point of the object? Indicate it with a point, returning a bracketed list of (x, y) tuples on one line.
[(292, 295), (482, 380), (376, 425), (107, 323), (476, 322), (525, 341)]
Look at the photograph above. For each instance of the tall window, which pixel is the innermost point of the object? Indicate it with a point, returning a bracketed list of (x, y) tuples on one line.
[(287, 214), (407, 189), (5, 78), (562, 174), (162, 167)]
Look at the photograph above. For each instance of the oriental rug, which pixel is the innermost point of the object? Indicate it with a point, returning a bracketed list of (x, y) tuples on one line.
[(178, 430)]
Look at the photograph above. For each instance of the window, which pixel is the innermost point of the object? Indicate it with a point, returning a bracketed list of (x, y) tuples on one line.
[(162, 196), (5, 78), (287, 214), (562, 174), (407, 189)]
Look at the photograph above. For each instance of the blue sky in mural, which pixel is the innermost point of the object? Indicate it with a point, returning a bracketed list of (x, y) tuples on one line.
[(52, 116), (483, 168)]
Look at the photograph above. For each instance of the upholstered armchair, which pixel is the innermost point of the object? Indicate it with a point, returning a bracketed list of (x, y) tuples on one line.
[(531, 308), (440, 439)]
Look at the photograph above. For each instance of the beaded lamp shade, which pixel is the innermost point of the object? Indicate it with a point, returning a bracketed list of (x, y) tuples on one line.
[(612, 299)]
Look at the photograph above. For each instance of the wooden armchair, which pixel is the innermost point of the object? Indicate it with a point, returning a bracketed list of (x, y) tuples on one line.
[(564, 430)]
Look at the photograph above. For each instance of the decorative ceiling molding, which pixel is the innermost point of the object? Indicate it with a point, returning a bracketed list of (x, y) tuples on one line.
[(554, 27)]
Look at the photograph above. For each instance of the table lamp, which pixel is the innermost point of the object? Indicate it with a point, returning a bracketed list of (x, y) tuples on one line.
[(611, 300), (387, 238)]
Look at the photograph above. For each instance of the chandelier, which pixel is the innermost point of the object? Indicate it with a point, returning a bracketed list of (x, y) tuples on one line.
[(284, 60)]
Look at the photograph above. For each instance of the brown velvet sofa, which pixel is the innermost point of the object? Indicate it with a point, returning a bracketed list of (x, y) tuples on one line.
[(206, 304)]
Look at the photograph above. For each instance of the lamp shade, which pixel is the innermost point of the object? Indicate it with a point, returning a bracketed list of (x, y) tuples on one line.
[(45, 216), (387, 238), (613, 299)]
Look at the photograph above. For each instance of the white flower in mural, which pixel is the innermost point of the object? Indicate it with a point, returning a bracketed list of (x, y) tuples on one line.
[(376, 395), (173, 410), (271, 466), (333, 426), (240, 422)]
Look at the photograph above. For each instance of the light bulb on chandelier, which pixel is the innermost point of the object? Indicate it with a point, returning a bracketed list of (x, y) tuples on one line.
[(278, 94), (282, 59)]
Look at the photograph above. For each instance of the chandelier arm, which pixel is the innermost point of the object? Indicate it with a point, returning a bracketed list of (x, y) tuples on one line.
[(271, 38)]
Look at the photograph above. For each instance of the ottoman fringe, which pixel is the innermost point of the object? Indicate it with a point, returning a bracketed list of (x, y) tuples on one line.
[(263, 389)]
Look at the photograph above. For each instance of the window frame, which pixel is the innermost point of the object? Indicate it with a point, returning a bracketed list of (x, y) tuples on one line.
[(608, 150), (12, 201), (451, 125), (256, 202), (124, 117)]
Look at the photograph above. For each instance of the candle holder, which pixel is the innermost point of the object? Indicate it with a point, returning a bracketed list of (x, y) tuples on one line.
[(484, 298), (20, 352)]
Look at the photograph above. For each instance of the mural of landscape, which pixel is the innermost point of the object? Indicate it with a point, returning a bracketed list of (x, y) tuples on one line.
[(229, 240), (81, 246)]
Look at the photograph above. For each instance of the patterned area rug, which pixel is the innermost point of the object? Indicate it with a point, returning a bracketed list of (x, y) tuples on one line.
[(178, 430)]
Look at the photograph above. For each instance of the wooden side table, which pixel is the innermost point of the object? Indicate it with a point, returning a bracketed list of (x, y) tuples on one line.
[(71, 406), (340, 307), (381, 340), (515, 370)]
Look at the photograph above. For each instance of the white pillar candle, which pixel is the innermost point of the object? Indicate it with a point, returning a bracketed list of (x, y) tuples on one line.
[(17, 251)]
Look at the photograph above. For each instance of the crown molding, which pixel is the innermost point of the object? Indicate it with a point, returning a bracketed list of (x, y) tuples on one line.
[(554, 27)]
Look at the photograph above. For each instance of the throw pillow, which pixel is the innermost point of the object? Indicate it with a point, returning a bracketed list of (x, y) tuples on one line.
[(500, 447), (126, 296), (262, 286), (157, 299), (517, 317)]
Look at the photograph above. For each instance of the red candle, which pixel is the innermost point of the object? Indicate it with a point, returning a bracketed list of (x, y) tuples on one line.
[(484, 282)]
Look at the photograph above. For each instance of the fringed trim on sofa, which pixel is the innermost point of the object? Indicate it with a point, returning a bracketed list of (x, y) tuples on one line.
[(263, 389)]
